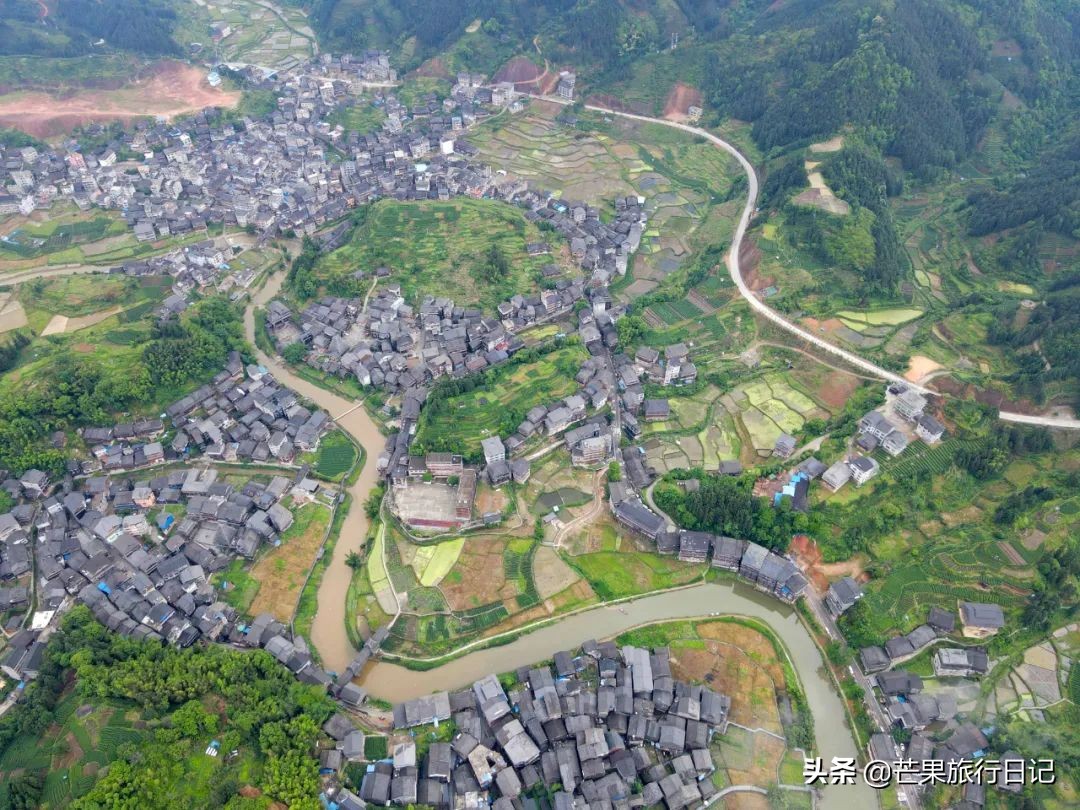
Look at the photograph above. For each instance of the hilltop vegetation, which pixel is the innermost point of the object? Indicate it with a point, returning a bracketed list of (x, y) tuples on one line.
[(128, 362), (74, 27)]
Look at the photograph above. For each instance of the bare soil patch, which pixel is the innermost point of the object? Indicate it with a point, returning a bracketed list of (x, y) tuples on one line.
[(61, 324), (477, 576), (679, 101), (434, 68), (750, 801), (1006, 48), (820, 573), (521, 71), (84, 348), (282, 571), (832, 145), (167, 89), (550, 573), (968, 514), (73, 755), (749, 262), (919, 367), (490, 500), (12, 314), (1032, 539), (830, 388)]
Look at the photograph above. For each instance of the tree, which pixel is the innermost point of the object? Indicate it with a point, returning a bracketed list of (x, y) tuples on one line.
[(631, 329), (354, 561), (295, 352), (495, 266), (614, 472)]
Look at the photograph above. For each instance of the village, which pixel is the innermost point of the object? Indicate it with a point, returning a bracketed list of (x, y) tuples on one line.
[(608, 717)]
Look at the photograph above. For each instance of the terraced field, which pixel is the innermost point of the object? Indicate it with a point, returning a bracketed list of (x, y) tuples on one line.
[(682, 181), (770, 406), (440, 247)]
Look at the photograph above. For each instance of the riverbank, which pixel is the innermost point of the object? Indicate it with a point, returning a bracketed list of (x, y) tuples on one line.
[(327, 625), (396, 683)]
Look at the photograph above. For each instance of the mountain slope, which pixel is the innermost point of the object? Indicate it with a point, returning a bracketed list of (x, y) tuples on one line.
[(76, 27)]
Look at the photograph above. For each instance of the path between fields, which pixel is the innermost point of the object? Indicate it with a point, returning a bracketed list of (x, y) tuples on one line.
[(731, 260), (590, 514), (671, 525)]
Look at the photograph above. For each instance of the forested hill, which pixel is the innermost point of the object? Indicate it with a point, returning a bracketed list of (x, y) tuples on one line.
[(77, 27), (914, 76)]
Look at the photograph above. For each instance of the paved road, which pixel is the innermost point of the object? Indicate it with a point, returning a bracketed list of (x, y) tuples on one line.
[(759, 306)]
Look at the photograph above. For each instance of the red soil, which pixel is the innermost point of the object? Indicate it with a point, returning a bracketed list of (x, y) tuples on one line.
[(749, 259), (808, 556), (434, 68), (170, 89), (679, 101), (519, 70)]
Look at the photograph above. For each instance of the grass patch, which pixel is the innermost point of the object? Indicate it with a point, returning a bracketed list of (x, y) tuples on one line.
[(439, 248), (614, 575), (335, 457)]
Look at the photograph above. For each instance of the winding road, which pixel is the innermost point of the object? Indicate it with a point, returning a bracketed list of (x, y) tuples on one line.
[(731, 260)]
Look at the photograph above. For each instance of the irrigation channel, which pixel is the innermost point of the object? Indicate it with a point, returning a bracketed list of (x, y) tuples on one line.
[(396, 683)]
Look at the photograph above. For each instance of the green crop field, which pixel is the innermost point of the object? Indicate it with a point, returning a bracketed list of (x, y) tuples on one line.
[(59, 233), (614, 574), (458, 423), (438, 560), (335, 457), (440, 248)]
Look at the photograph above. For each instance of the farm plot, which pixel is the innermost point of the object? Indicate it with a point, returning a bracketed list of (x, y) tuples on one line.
[(59, 233), (440, 248), (458, 423), (477, 576), (614, 574), (434, 562), (554, 157), (335, 457), (770, 406), (282, 571), (687, 413)]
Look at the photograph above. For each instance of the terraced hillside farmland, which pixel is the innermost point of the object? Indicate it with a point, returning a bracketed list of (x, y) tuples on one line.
[(260, 34), (440, 248), (742, 423), (685, 183), (954, 537)]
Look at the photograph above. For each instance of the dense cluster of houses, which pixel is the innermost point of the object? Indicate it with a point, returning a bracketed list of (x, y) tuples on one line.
[(395, 346), (241, 415), (912, 709), (273, 174), (608, 725), (967, 741), (292, 172), (140, 551), (905, 704)]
